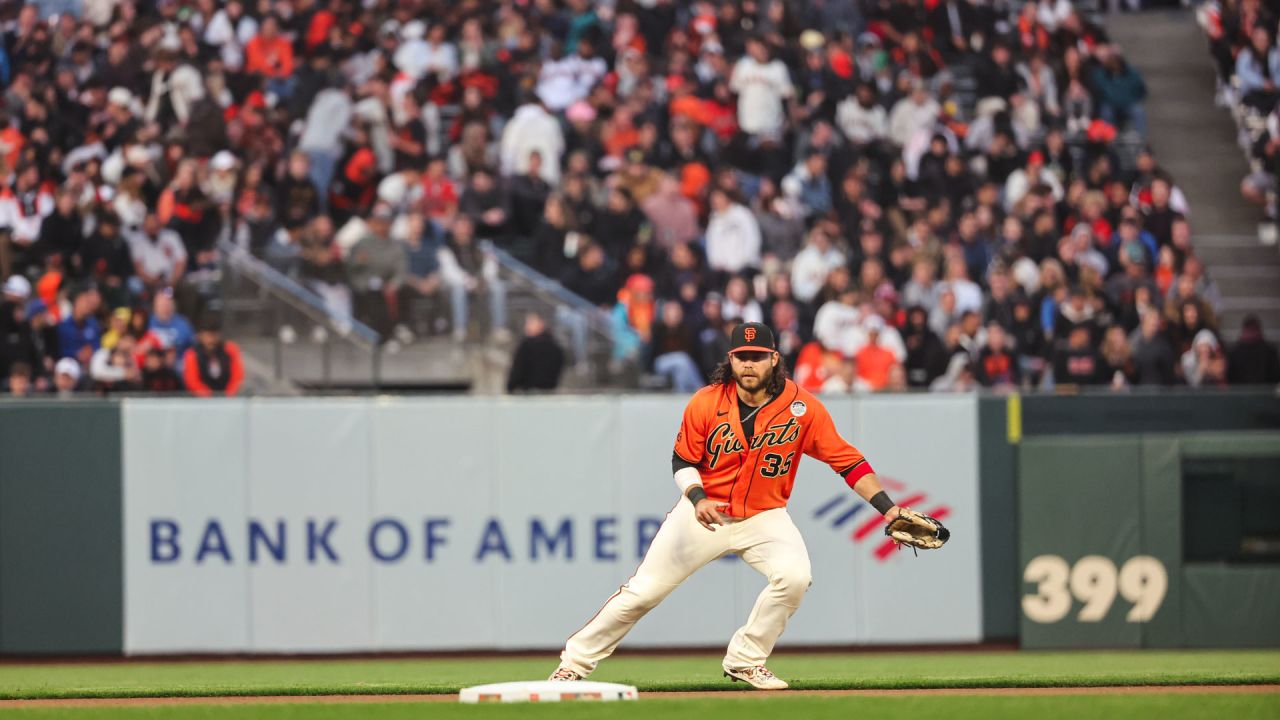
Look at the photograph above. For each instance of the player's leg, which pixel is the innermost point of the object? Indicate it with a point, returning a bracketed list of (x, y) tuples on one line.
[(680, 547), (770, 543)]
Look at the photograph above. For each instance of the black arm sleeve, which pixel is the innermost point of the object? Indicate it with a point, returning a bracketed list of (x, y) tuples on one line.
[(678, 463)]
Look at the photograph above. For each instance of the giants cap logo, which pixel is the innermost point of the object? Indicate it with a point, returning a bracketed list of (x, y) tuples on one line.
[(749, 334)]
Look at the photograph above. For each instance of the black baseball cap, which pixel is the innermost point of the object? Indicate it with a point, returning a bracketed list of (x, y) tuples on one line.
[(752, 337)]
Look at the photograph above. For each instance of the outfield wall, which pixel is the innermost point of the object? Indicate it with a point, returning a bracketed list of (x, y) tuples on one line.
[(332, 525)]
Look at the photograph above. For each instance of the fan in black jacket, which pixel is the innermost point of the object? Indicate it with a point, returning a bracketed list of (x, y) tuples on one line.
[(538, 359)]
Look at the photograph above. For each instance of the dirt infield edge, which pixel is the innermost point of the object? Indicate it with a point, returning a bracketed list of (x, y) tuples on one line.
[(70, 703)]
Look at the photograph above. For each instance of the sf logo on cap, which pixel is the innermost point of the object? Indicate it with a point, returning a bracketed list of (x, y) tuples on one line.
[(749, 334)]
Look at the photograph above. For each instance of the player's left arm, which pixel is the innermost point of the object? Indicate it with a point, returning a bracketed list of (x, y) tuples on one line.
[(824, 443)]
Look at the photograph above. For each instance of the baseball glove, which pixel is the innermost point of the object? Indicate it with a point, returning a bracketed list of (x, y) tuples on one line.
[(916, 530)]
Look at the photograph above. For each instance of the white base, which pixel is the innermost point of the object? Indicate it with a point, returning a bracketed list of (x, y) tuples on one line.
[(547, 691)]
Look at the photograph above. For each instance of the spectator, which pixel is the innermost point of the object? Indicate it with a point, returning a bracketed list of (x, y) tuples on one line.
[(926, 357), (1078, 363), (1028, 341), (270, 55), (297, 198), (61, 234), (23, 207), (996, 366), (738, 302), (1204, 365), (158, 253), (19, 380), (1153, 355), (527, 199), (673, 217), (591, 278), (1118, 90), (321, 265), (486, 204), (674, 347), (1257, 69), (841, 376), (915, 113), (555, 240), (1117, 357), (813, 264), (376, 267), (538, 360), (213, 366), (158, 375), (782, 228), (66, 378), (874, 361), (862, 118), (19, 344), (79, 335), (733, 236), (762, 85), (633, 318), (468, 270), (532, 129), (114, 369), (1253, 360), (170, 329), (105, 259), (422, 279), (808, 185), (176, 87)]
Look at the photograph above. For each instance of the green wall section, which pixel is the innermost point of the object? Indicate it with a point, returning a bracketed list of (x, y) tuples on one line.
[(1245, 414), (1230, 606), (61, 562), (997, 490), (1078, 497), (1120, 499)]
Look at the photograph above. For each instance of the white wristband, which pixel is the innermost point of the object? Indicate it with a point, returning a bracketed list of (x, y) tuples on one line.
[(687, 477)]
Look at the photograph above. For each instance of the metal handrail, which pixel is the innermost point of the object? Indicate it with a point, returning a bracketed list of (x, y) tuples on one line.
[(546, 284), (298, 296)]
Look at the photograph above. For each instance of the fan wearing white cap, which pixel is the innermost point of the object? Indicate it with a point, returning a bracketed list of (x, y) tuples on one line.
[(66, 376), (17, 289)]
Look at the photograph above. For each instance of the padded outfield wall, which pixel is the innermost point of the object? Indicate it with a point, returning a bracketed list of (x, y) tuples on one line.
[(330, 525)]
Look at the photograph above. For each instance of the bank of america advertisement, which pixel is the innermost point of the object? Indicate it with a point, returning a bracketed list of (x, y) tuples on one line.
[(281, 525)]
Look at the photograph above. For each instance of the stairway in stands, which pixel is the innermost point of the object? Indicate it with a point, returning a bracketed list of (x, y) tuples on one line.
[(1196, 142)]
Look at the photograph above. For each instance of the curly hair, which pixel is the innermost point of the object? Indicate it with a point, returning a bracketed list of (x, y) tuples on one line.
[(723, 375)]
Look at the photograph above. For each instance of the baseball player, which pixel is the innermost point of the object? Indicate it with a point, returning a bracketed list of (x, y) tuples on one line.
[(734, 461)]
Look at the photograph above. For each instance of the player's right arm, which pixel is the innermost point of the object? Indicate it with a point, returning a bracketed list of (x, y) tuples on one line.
[(691, 441)]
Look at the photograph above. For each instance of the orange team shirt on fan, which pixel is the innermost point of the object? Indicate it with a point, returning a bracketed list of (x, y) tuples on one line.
[(751, 478)]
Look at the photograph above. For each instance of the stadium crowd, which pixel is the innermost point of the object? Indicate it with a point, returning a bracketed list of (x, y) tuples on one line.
[(1242, 42), (913, 193)]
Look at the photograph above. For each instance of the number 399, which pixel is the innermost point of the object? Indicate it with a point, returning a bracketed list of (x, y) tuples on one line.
[(1093, 581)]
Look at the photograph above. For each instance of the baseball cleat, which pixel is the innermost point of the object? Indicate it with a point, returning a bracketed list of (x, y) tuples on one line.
[(757, 677), (564, 674)]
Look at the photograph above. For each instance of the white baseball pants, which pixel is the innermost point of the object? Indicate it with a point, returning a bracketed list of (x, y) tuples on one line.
[(768, 542)]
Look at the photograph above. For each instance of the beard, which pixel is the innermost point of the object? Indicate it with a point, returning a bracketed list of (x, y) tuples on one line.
[(753, 381)]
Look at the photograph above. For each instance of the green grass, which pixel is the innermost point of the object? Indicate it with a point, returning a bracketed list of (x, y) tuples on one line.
[(1126, 707), (869, 670)]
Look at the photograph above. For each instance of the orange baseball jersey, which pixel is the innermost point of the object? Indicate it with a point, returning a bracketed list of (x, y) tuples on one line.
[(757, 476)]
